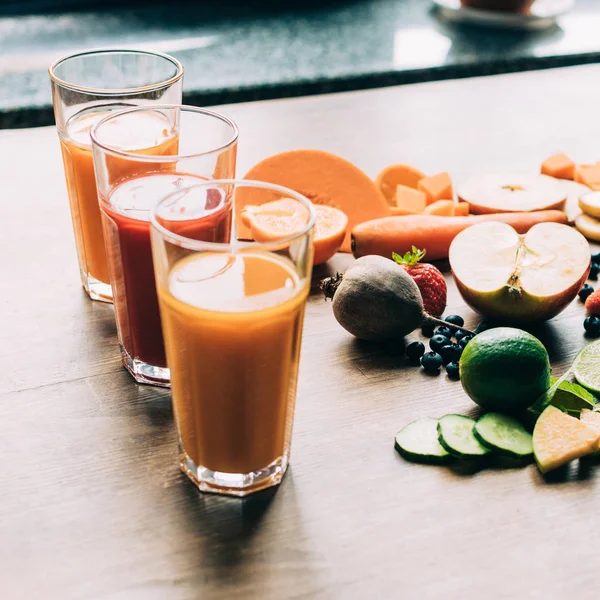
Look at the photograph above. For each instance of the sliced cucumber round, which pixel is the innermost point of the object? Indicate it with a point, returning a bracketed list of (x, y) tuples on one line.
[(455, 434), (504, 435), (418, 442)]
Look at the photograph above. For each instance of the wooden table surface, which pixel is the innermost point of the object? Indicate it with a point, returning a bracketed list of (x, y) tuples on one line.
[(92, 504)]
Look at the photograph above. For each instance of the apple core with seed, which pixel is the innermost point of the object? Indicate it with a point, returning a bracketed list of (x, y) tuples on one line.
[(519, 278)]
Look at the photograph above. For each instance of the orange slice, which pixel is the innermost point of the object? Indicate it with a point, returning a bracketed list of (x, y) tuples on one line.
[(282, 218), (393, 176)]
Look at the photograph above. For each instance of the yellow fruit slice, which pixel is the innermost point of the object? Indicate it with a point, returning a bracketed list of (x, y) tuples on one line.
[(589, 227), (573, 191), (590, 204), (393, 176), (559, 438), (281, 218), (592, 419)]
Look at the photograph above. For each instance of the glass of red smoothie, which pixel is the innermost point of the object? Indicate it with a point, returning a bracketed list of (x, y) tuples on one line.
[(130, 183)]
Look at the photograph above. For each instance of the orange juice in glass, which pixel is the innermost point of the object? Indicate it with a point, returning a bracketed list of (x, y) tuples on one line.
[(232, 317), (85, 87)]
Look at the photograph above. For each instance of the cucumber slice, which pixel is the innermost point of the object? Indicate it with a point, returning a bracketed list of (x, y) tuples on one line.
[(418, 442), (504, 434), (455, 434)]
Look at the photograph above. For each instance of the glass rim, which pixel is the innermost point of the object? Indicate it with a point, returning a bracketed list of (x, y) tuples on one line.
[(169, 157), (199, 246), (116, 91)]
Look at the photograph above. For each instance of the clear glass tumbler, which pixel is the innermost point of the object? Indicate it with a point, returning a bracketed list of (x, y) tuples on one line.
[(232, 316), (202, 145), (84, 87)]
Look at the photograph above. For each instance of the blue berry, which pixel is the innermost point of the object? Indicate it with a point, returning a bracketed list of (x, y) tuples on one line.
[(414, 351), (427, 330), (596, 258), (450, 353), (460, 334), (585, 291), (455, 320), (484, 325), (437, 341), (592, 326), (453, 371), (595, 268), (431, 362), (445, 331), (465, 340)]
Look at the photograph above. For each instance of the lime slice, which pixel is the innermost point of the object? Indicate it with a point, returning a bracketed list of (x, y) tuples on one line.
[(586, 367)]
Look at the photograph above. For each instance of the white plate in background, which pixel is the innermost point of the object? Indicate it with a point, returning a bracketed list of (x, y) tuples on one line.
[(543, 14)]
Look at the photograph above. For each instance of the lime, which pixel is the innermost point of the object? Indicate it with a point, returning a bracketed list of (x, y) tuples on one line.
[(504, 369), (586, 367)]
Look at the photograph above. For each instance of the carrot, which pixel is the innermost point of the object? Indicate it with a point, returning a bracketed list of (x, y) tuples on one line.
[(435, 234)]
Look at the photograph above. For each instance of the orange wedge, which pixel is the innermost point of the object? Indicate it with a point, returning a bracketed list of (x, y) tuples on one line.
[(282, 218)]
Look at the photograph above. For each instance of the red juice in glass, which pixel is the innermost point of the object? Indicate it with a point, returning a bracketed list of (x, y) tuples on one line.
[(125, 218)]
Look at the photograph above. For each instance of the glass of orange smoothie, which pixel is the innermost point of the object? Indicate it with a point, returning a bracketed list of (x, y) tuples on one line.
[(85, 86), (232, 316), (129, 184)]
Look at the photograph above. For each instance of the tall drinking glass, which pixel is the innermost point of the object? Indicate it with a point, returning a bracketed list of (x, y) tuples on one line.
[(84, 87), (232, 316), (129, 185)]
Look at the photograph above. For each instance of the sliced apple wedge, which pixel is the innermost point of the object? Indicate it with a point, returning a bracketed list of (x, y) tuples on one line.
[(519, 278), (511, 192), (590, 204)]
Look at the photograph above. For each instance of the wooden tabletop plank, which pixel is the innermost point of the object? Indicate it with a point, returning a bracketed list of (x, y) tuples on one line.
[(93, 505)]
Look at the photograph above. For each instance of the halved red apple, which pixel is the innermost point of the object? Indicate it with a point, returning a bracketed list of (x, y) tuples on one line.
[(519, 278)]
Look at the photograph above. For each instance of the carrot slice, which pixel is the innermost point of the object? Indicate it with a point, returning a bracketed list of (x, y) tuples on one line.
[(442, 208), (324, 178), (395, 175), (559, 166), (436, 187), (410, 199)]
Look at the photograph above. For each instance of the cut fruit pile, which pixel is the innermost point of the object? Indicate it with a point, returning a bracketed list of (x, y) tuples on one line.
[(284, 217)]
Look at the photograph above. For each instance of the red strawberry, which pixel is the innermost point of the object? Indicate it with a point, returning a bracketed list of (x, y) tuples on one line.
[(592, 304), (428, 278)]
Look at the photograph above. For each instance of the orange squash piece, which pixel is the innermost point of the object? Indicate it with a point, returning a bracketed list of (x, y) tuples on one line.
[(408, 198), (436, 187), (461, 209), (559, 166), (400, 212), (442, 208), (588, 175), (324, 178), (393, 176)]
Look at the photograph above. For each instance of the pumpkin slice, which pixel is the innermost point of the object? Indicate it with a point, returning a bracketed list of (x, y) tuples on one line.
[(512, 192), (442, 208), (324, 178), (393, 176), (461, 209), (437, 187), (410, 199), (559, 166), (588, 175), (402, 212), (284, 217), (559, 438)]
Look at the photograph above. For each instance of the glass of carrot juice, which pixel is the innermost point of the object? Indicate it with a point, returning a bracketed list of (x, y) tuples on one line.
[(129, 184), (85, 86), (232, 315)]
